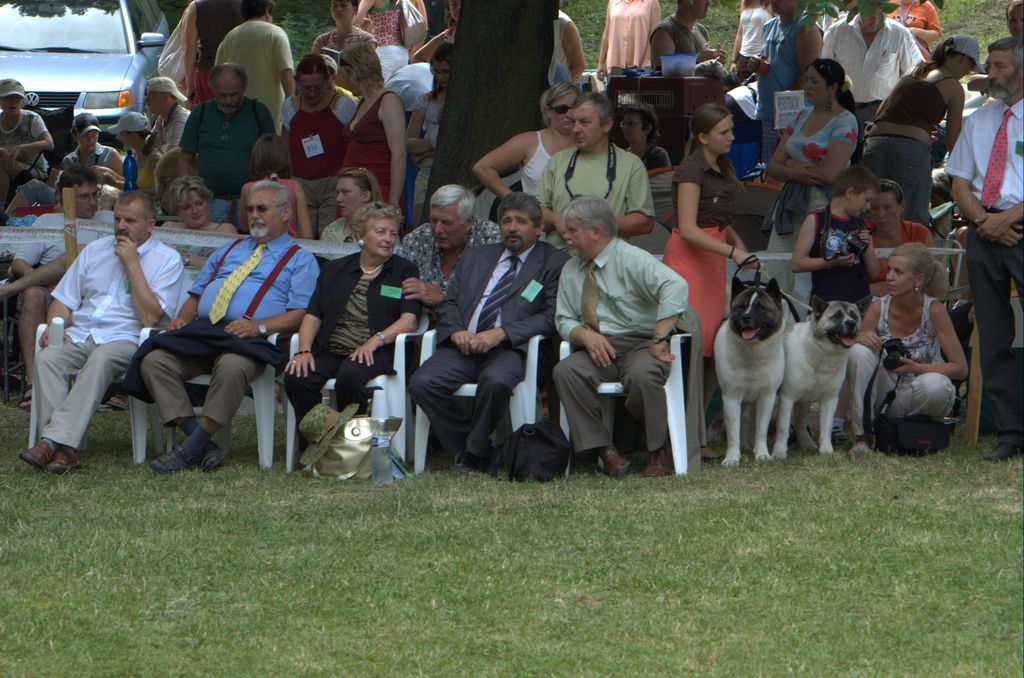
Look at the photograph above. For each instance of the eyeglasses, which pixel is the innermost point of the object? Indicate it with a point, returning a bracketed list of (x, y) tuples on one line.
[(561, 110), (87, 196), (312, 89)]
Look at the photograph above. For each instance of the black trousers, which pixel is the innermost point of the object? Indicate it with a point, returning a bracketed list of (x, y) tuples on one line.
[(495, 373), (350, 384), (991, 267)]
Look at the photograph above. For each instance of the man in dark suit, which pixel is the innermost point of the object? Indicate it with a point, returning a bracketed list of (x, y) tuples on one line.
[(499, 297)]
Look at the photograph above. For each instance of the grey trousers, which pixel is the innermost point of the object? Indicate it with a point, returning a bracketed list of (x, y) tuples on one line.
[(908, 162), (65, 415), (991, 267), (643, 380), (165, 374), (929, 394)]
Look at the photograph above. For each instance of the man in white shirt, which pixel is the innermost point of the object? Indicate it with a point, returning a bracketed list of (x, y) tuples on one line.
[(117, 286), (989, 189), (37, 266), (875, 53)]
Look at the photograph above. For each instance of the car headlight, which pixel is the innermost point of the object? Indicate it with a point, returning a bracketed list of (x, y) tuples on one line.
[(121, 99)]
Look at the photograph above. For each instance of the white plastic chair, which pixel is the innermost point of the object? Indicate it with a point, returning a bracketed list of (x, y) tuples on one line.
[(136, 408), (390, 395), (522, 406), (263, 390), (675, 401)]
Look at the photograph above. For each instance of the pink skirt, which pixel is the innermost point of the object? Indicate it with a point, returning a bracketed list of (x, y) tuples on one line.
[(704, 273)]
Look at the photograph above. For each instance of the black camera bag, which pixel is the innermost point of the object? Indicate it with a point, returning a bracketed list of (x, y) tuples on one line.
[(913, 435), (537, 452)]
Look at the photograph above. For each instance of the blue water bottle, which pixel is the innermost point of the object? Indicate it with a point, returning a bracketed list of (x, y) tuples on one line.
[(131, 172)]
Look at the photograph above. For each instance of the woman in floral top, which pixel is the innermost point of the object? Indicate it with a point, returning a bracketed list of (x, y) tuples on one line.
[(811, 153)]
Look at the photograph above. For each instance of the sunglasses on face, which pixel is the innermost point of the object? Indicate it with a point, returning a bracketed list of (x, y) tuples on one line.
[(561, 110)]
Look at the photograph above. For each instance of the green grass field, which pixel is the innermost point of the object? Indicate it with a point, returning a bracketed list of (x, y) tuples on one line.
[(876, 567)]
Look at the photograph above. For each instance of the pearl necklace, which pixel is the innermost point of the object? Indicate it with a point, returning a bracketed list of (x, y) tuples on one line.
[(372, 272)]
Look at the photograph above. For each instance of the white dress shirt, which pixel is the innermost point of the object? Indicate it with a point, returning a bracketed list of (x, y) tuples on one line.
[(969, 159), (96, 290), (875, 70), (499, 270)]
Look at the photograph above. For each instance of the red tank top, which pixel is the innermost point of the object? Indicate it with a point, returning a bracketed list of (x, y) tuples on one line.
[(332, 137), (368, 146)]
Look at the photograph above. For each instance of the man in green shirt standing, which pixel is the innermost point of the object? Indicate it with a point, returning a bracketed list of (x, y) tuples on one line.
[(221, 133), (619, 304), (599, 168)]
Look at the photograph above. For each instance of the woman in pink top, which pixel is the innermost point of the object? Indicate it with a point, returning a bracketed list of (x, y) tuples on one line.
[(627, 27), (270, 159)]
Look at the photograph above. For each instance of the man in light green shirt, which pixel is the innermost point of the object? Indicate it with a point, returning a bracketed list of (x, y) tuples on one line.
[(598, 168), (619, 304)]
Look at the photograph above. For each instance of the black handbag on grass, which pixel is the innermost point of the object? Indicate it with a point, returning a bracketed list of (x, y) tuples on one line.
[(913, 435), (536, 452)]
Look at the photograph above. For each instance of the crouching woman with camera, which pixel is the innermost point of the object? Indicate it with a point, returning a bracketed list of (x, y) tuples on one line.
[(910, 329)]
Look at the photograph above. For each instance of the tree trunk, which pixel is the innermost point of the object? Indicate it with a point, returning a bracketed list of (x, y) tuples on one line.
[(499, 70)]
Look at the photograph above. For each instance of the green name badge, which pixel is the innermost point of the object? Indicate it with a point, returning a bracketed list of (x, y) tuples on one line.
[(391, 292), (1020, 148), (532, 290)]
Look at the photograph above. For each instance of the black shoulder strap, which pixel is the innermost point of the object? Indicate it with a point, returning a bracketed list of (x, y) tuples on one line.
[(867, 415)]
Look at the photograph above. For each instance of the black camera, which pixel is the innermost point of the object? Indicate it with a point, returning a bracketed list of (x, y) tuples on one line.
[(852, 244), (893, 353)]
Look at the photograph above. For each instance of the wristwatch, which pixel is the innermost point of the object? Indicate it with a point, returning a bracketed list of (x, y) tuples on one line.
[(262, 328), (658, 338)]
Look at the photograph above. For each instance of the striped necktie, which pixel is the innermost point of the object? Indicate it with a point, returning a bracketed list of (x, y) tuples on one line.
[(498, 296), (233, 282)]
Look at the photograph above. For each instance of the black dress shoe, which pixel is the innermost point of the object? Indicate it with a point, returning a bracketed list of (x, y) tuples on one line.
[(1003, 452), (467, 463)]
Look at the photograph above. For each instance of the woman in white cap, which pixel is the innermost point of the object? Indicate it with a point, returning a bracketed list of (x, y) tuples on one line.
[(132, 130), (23, 138), (899, 144)]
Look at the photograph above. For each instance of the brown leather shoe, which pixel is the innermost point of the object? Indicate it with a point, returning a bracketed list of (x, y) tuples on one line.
[(659, 464), (64, 461), (40, 454), (615, 464)]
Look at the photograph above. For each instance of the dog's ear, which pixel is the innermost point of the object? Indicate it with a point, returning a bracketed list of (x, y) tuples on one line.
[(773, 289), (818, 306), (738, 288), (863, 305)]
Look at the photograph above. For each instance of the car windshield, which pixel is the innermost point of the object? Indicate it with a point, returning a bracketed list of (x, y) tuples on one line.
[(69, 26)]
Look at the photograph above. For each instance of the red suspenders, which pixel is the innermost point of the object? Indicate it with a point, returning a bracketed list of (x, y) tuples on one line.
[(267, 284)]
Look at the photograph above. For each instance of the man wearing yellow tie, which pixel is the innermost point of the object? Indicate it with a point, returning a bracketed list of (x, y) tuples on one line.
[(249, 289)]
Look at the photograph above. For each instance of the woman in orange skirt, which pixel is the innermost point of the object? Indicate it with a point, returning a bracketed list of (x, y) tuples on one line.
[(703, 239)]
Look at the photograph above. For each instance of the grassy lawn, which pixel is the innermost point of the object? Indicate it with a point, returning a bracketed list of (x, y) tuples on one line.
[(879, 566)]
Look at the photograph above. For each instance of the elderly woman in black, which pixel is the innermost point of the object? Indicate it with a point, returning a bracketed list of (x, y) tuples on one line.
[(357, 310)]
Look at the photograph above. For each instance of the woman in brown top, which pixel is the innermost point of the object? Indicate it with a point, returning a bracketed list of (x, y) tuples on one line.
[(898, 146), (703, 238)]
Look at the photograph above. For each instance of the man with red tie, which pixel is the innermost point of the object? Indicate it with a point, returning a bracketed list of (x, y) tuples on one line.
[(987, 186)]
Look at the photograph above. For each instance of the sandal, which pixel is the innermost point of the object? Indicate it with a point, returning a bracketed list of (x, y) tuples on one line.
[(25, 404)]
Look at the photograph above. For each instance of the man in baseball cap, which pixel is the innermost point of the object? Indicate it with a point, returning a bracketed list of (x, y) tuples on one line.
[(10, 87), (164, 99)]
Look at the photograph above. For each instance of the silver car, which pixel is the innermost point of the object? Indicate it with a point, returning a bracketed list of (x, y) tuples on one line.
[(92, 54)]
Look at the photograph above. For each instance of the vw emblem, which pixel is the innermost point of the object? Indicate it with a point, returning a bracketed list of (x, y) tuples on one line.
[(31, 99)]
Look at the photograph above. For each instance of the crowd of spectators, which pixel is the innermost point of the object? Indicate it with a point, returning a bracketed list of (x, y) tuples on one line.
[(248, 143)]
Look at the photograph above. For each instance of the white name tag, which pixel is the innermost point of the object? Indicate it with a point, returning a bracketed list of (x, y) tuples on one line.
[(312, 146)]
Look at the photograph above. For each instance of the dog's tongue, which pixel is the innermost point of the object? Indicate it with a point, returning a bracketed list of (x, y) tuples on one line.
[(846, 341), (748, 334)]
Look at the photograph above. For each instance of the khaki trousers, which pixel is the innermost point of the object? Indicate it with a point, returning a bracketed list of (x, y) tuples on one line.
[(165, 374), (63, 414), (320, 197), (643, 381)]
